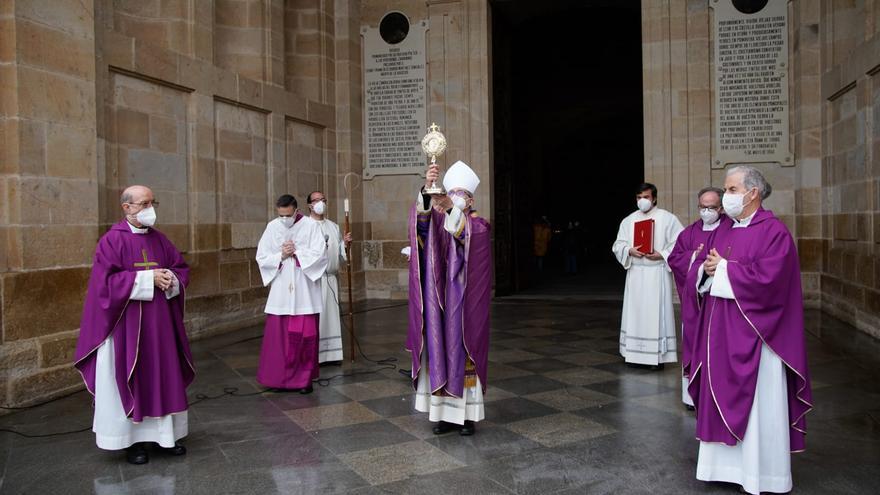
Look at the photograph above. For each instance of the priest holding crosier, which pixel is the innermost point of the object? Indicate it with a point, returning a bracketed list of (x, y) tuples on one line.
[(330, 328)]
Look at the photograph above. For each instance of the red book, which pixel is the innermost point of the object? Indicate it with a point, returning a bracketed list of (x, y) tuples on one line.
[(643, 238)]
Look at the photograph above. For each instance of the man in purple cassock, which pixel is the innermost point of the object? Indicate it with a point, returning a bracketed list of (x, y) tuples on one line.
[(689, 244), (133, 352), (450, 280), (292, 259), (749, 378)]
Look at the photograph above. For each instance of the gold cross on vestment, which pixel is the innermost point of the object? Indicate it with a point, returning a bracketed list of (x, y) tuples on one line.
[(146, 264)]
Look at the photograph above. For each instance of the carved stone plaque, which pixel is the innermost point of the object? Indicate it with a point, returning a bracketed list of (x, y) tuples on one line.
[(751, 82), (395, 97)]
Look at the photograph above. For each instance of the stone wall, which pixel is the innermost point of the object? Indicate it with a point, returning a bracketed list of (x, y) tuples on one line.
[(830, 197), (210, 103), (850, 193)]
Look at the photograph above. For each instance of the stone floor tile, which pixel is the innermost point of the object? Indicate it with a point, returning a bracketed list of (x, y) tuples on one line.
[(490, 443), (464, 480), (387, 464), (541, 365), (571, 398), (332, 416), (516, 409), (559, 429), (372, 389), (529, 384), (362, 436), (392, 407)]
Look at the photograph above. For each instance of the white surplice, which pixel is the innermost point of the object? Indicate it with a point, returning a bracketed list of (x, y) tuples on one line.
[(468, 407), (762, 461), (330, 330), (647, 328), (295, 290), (113, 429)]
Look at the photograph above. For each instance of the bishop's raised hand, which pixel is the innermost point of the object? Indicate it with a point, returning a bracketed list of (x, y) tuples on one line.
[(433, 175)]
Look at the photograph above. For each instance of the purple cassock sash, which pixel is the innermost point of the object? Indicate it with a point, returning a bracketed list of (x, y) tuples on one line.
[(450, 281), (153, 358), (764, 273), (679, 261)]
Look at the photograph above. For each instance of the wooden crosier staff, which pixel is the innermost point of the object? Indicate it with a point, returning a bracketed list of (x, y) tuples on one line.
[(347, 229)]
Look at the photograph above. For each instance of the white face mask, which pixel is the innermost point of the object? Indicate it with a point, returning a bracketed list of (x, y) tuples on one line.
[(734, 204), (644, 204), (709, 216), (319, 207), (287, 221), (459, 202), (147, 217)]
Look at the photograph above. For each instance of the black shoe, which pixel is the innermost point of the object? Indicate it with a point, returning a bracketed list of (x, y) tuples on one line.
[(176, 450), (306, 390), (137, 454), (656, 367), (468, 429), (443, 427), (331, 363), (689, 407)]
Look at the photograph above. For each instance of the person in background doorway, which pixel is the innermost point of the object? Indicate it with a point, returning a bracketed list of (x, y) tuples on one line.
[(542, 235)]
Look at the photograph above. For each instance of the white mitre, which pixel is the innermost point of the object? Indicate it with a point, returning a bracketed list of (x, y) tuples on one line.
[(460, 176)]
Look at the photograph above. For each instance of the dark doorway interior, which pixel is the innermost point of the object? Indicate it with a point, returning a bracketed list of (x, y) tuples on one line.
[(567, 103)]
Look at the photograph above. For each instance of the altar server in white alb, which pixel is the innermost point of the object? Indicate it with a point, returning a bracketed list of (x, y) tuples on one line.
[(647, 328), (292, 259), (329, 328)]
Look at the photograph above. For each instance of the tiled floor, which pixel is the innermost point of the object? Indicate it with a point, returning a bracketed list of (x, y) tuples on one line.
[(564, 415)]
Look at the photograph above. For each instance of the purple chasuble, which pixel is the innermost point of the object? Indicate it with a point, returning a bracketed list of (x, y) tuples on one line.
[(450, 281), (153, 358), (679, 261), (764, 273)]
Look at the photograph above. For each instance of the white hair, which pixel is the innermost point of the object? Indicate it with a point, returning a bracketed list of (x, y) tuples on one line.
[(752, 178)]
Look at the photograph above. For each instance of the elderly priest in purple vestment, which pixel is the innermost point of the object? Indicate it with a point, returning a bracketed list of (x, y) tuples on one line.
[(133, 352), (450, 279), (749, 378)]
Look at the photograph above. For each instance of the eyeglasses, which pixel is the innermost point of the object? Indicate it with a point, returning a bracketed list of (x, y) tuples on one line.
[(714, 208), (144, 204)]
